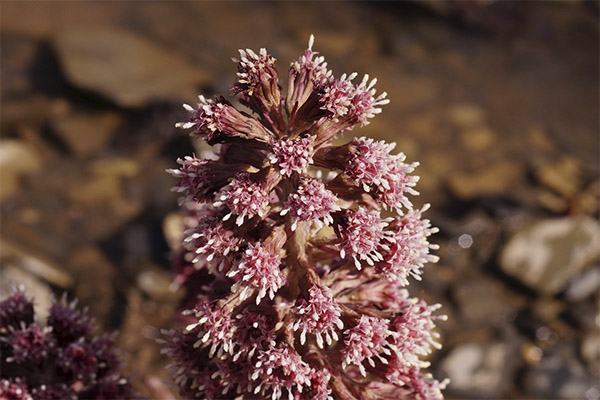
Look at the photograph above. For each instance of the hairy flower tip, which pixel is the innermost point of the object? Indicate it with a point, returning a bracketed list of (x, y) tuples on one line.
[(413, 383), (367, 340), (409, 249), (216, 119), (67, 322), (259, 270), (311, 202), (318, 388), (307, 74), (278, 369), (214, 327), (257, 82), (78, 361), (362, 235), (291, 156), (414, 329), (15, 309), (198, 178), (31, 344), (254, 330), (179, 347), (385, 175), (318, 315), (14, 390), (254, 71), (244, 197), (211, 240), (108, 359), (348, 104)]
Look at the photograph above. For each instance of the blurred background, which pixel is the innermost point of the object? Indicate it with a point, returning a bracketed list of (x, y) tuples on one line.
[(498, 101)]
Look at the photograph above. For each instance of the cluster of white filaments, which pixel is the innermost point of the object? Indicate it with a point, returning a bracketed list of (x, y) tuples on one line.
[(258, 270), (292, 155), (381, 173), (312, 202), (352, 104), (251, 65), (244, 197), (319, 315), (367, 340), (362, 236)]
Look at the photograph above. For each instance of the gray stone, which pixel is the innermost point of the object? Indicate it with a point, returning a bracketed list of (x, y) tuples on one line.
[(479, 370), (584, 285), (559, 375), (87, 133), (125, 68), (483, 302), (546, 254), (590, 351)]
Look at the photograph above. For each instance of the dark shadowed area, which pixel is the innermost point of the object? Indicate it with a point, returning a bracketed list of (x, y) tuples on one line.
[(498, 101)]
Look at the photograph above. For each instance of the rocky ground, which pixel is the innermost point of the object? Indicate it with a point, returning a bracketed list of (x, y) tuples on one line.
[(499, 102)]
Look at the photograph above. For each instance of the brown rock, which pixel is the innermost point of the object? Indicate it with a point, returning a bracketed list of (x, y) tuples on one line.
[(125, 68), (95, 277), (35, 263), (562, 176), (87, 133), (173, 227), (477, 138), (497, 178), (466, 115), (16, 159)]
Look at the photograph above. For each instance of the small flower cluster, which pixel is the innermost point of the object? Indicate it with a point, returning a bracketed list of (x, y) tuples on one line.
[(299, 277), (58, 360)]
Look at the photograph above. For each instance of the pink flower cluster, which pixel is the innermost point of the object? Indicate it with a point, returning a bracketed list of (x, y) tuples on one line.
[(303, 248)]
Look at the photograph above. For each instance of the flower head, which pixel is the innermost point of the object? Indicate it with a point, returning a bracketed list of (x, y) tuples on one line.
[(365, 341), (245, 197), (280, 368), (216, 120), (213, 326), (349, 104), (312, 202), (318, 315), (409, 249), (209, 237), (287, 251), (16, 309), (259, 270), (58, 358), (291, 156), (307, 74), (386, 176), (361, 235), (200, 178), (14, 390)]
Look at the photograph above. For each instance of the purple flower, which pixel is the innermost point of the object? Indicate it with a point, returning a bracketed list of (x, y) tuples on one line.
[(297, 275), (58, 358), (14, 390), (15, 310)]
